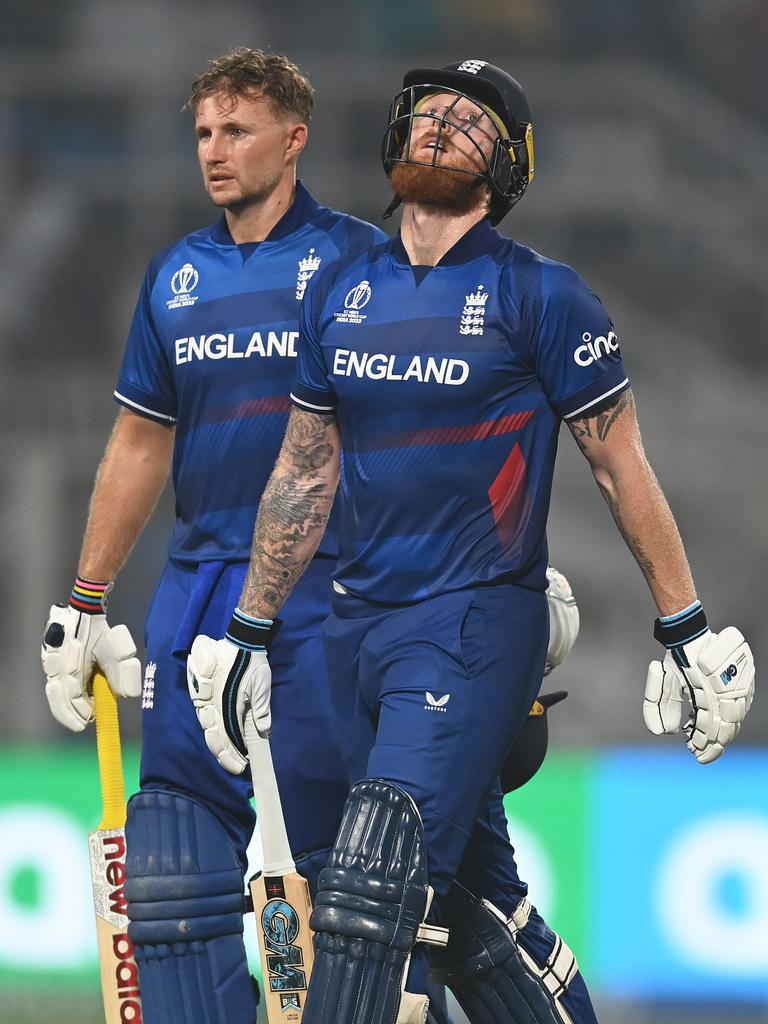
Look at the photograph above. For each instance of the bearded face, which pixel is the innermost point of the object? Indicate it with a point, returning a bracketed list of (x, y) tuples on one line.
[(438, 186), (442, 165)]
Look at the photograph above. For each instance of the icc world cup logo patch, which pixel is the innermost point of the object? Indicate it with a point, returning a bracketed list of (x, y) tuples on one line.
[(355, 299), (183, 283)]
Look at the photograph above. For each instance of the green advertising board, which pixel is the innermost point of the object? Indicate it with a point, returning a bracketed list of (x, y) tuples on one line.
[(49, 801), (642, 889), (555, 812)]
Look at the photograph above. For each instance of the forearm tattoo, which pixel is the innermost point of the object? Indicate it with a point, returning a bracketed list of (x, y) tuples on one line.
[(632, 540), (588, 433), (293, 513)]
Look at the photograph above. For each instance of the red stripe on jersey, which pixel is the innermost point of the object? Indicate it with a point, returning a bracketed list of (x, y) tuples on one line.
[(454, 435), (262, 406), (510, 504), (245, 410)]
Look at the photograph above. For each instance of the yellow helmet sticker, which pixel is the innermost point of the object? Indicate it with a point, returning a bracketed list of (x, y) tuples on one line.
[(529, 147)]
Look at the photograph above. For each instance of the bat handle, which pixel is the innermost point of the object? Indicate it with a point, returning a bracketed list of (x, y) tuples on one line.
[(278, 859), (109, 754)]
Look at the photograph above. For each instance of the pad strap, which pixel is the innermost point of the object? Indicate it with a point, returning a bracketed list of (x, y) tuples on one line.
[(560, 968), (492, 976)]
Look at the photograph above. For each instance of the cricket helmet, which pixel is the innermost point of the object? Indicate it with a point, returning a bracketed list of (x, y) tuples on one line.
[(530, 747), (509, 168)]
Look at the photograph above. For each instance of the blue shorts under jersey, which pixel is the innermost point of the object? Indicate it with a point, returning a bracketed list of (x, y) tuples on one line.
[(449, 384), (212, 351)]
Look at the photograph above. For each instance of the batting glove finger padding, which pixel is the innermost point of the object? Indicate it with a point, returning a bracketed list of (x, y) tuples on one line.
[(663, 704), (722, 681), (115, 654), (228, 681), (563, 619), (715, 671)]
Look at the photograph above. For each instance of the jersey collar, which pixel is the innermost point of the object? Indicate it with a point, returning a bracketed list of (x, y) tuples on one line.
[(302, 210), (480, 240)]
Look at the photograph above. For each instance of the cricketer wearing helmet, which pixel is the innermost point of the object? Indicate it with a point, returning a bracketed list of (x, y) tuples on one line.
[(434, 373)]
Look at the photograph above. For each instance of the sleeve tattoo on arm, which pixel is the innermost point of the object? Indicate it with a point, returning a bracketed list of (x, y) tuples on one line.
[(598, 425), (293, 512), (589, 433)]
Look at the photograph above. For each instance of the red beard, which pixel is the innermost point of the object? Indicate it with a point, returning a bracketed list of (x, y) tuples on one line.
[(438, 186)]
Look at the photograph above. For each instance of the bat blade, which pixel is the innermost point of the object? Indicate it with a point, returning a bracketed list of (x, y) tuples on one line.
[(106, 848), (119, 974), (281, 901), (281, 907)]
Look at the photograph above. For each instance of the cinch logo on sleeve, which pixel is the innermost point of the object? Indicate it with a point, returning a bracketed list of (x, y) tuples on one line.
[(224, 346), (595, 348), (381, 366)]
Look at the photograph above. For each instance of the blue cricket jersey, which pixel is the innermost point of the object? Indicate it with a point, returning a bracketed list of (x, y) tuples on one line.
[(449, 384), (212, 350)]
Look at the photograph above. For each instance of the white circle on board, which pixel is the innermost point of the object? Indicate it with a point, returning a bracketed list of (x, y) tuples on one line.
[(689, 903), (533, 865), (57, 930)]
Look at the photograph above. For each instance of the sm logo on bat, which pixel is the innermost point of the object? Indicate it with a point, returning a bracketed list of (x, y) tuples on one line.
[(280, 926)]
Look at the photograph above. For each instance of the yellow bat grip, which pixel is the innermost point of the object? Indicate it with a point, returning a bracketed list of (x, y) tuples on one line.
[(110, 755)]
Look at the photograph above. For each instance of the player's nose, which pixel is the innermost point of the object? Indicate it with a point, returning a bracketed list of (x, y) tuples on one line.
[(213, 151), (439, 125), (433, 130)]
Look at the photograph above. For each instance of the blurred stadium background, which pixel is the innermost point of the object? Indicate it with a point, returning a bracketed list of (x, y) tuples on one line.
[(651, 172)]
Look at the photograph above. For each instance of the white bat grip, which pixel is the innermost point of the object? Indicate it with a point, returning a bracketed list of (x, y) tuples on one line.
[(278, 859)]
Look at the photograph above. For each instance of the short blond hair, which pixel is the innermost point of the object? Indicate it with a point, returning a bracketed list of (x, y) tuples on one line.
[(247, 72)]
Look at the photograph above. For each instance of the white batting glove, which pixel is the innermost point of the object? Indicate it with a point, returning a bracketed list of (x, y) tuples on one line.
[(229, 679), (715, 672), (77, 640), (563, 619)]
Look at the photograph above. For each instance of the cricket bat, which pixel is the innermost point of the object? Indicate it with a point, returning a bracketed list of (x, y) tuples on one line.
[(281, 902), (119, 974)]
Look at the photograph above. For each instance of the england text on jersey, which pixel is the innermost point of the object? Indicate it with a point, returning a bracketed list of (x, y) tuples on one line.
[(231, 345), (212, 352), (449, 389)]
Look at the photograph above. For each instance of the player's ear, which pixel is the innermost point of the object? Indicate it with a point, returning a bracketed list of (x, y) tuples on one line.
[(296, 140)]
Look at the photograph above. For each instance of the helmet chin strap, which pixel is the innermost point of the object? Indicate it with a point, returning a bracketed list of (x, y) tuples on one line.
[(396, 201)]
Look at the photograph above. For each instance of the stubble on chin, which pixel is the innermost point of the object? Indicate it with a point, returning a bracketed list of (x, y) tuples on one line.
[(242, 196), (223, 197)]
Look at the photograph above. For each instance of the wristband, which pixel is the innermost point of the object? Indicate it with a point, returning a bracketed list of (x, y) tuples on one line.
[(675, 631), (250, 633), (90, 596)]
